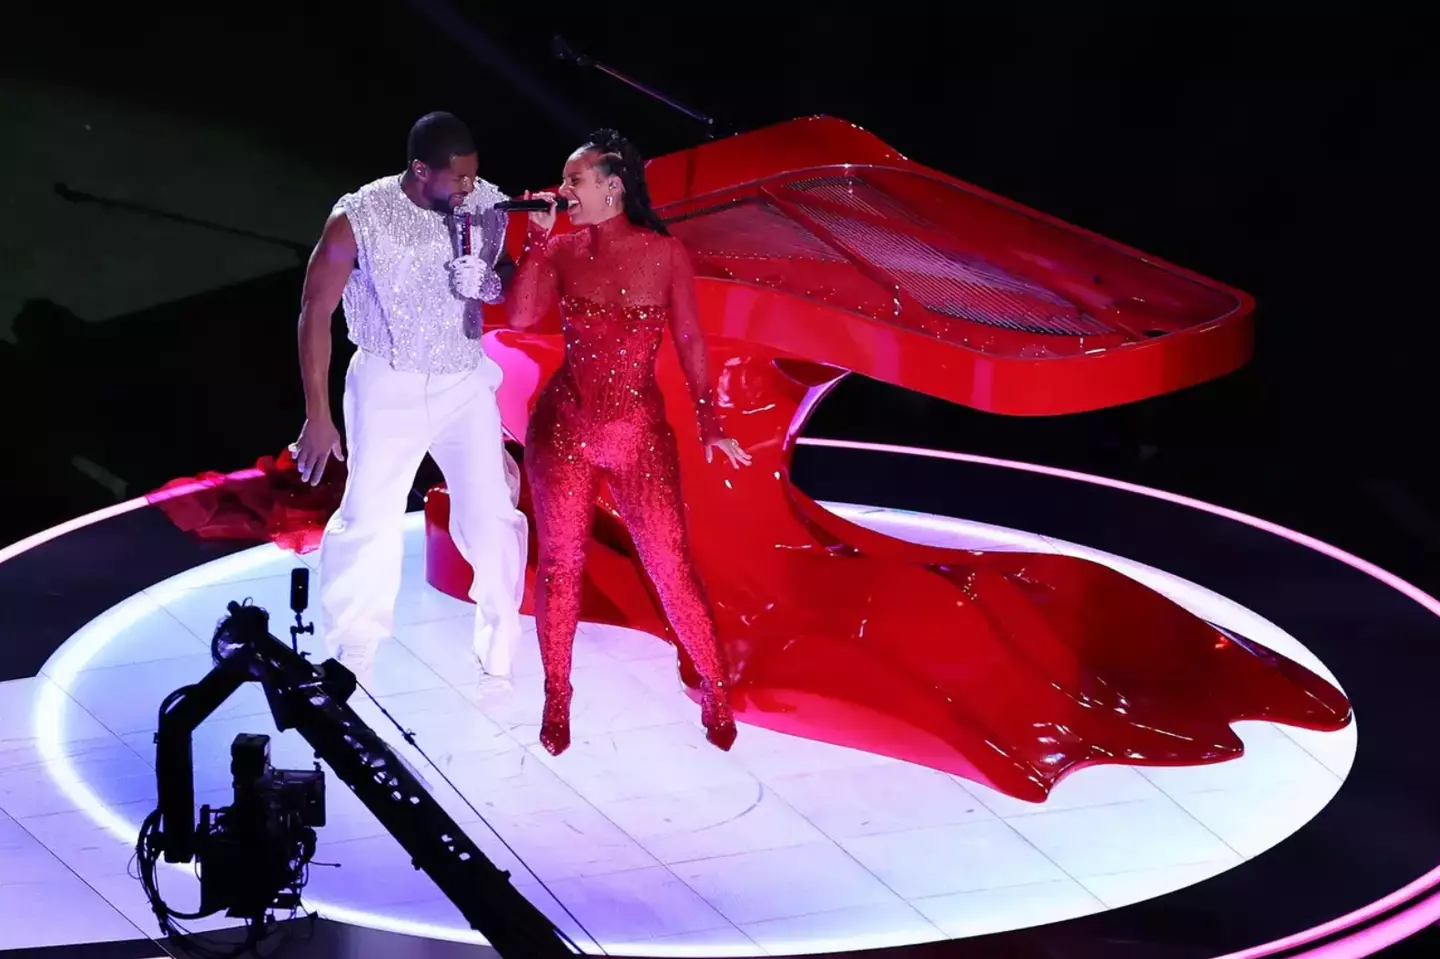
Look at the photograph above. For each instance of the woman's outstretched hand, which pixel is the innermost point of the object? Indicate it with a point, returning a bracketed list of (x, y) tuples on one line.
[(731, 448)]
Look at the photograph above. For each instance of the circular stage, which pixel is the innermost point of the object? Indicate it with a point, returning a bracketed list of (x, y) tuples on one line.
[(643, 840)]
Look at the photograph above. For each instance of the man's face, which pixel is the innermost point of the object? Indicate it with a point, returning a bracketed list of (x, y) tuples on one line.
[(446, 189)]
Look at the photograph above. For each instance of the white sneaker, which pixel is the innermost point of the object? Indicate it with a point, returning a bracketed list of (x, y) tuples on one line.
[(491, 684), (494, 647)]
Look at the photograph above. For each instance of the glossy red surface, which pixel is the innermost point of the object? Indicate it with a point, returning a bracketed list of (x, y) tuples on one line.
[(1009, 669), (839, 250), (269, 502)]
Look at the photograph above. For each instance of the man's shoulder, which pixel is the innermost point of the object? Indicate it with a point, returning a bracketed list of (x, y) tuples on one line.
[(484, 197), (363, 193)]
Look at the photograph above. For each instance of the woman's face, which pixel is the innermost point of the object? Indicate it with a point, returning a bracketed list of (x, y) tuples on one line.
[(586, 189)]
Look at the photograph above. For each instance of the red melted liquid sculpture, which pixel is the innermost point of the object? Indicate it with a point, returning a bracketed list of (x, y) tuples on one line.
[(824, 252), (267, 502)]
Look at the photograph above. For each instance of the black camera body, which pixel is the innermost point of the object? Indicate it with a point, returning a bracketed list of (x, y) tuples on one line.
[(254, 852)]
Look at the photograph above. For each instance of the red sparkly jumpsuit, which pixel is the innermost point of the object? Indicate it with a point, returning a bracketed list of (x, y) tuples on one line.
[(601, 415)]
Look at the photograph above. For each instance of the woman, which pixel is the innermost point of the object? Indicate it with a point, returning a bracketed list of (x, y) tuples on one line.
[(620, 280)]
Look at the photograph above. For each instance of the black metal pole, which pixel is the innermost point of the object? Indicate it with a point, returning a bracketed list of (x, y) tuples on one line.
[(563, 51)]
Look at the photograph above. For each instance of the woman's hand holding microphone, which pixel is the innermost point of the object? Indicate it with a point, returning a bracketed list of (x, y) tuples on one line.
[(542, 221)]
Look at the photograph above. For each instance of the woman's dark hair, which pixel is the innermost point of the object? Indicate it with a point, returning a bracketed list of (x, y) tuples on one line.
[(619, 158)]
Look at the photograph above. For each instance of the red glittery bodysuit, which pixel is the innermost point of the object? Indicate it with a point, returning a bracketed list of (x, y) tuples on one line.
[(601, 416)]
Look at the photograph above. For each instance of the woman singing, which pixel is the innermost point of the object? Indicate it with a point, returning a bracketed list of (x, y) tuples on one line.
[(620, 280)]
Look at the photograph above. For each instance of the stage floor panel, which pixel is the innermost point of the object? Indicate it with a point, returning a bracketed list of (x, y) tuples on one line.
[(642, 839)]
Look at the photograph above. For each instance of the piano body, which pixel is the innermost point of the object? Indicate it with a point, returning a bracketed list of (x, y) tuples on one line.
[(822, 251), (983, 302)]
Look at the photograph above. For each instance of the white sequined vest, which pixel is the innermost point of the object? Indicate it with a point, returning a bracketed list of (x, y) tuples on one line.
[(398, 301)]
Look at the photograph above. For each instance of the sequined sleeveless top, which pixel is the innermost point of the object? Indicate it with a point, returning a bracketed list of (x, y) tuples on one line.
[(398, 301)]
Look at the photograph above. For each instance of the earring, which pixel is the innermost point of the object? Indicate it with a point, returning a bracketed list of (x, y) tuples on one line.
[(609, 201)]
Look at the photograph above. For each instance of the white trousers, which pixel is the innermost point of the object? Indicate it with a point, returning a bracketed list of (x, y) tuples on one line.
[(391, 420)]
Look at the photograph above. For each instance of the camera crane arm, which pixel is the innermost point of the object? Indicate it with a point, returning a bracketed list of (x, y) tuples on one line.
[(180, 714), (312, 700)]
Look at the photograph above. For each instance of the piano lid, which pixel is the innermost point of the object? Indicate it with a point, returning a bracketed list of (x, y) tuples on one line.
[(956, 292)]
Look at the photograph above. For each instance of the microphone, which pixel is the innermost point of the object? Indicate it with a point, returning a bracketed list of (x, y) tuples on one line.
[(460, 232), (531, 206)]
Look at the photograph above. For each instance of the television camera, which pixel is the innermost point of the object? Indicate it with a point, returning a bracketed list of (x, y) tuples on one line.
[(253, 855)]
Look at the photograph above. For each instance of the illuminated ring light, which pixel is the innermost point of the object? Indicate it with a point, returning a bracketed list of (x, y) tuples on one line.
[(48, 717), (76, 654)]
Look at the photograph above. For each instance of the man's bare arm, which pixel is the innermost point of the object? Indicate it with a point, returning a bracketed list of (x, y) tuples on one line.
[(325, 278)]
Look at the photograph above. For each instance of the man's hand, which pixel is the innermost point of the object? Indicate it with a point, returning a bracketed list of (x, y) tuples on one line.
[(319, 440), (467, 276), (325, 278)]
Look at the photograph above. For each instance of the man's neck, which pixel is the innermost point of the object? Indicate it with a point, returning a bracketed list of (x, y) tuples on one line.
[(413, 189)]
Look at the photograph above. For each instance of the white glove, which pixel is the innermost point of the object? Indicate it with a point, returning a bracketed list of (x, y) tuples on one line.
[(467, 276), (491, 289)]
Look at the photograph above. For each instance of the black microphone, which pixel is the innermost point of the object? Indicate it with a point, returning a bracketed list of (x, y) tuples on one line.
[(531, 206)]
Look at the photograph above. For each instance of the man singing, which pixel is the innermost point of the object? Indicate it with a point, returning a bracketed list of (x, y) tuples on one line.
[(419, 381)]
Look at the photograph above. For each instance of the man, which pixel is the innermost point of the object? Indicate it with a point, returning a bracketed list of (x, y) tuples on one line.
[(419, 381)]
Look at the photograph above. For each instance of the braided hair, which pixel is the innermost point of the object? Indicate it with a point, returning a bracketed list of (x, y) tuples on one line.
[(619, 158)]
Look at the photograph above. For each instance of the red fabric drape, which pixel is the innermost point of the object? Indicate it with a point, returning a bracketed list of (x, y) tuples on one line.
[(267, 503)]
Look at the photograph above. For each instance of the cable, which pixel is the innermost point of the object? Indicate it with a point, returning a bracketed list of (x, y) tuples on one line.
[(148, 849), (410, 738), (253, 856), (147, 854)]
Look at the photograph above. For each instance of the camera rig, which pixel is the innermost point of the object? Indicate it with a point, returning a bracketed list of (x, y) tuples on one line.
[(254, 854)]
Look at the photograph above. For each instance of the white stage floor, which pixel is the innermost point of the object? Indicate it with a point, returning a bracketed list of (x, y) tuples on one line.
[(642, 838)]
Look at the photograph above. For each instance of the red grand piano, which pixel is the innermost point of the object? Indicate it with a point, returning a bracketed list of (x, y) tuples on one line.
[(822, 252)]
